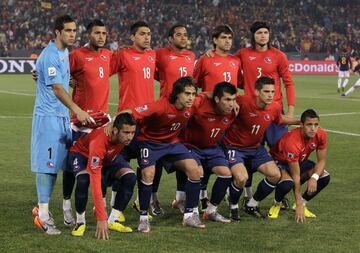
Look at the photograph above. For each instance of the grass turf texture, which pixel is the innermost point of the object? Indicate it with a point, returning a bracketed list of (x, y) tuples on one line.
[(337, 207)]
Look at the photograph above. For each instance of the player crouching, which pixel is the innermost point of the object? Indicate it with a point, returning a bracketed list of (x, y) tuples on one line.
[(93, 156), (292, 153)]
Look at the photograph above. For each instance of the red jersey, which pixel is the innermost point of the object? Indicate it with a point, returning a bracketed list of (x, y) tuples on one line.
[(135, 75), (171, 65), (248, 129), (206, 127), (161, 121), (97, 148), (292, 147), (91, 71), (270, 63), (210, 71)]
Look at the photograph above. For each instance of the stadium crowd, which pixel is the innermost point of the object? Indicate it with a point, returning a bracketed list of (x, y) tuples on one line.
[(298, 26)]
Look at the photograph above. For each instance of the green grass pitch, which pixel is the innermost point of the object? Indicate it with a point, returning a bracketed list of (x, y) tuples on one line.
[(336, 229)]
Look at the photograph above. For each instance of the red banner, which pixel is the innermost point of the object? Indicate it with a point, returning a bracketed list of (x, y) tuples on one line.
[(313, 67)]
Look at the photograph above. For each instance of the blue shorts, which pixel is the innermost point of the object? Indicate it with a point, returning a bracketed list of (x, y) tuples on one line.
[(304, 166), (209, 158), (78, 163), (252, 158), (151, 152), (50, 139), (274, 132)]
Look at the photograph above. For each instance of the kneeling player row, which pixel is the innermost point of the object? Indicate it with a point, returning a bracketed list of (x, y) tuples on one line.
[(159, 127)]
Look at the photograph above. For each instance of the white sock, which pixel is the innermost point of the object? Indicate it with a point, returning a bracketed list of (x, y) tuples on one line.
[(144, 217), (44, 211), (236, 206), (113, 196), (114, 215), (339, 83), (211, 208), (203, 194), (196, 210), (248, 193), (352, 89), (80, 217), (187, 215), (345, 82), (180, 195), (252, 203), (66, 204)]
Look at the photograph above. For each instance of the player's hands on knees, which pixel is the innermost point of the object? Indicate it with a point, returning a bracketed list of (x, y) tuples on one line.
[(311, 186), (102, 231), (108, 129), (34, 75), (299, 213), (85, 118)]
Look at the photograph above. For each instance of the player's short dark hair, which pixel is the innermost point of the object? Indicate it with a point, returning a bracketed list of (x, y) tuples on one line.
[(95, 22), (259, 84), (179, 87), (172, 29), (256, 26), (223, 87), (309, 113), (60, 21), (124, 119), (222, 29), (135, 27)]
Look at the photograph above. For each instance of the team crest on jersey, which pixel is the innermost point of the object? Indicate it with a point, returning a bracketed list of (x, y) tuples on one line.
[(95, 161), (267, 117), (312, 145), (267, 60), (232, 64), (52, 71), (225, 120), (151, 59), (187, 114), (187, 58), (141, 108), (103, 57)]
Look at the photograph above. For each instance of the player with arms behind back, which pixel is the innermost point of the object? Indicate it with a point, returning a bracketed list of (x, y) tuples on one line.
[(344, 64), (90, 70), (222, 66)]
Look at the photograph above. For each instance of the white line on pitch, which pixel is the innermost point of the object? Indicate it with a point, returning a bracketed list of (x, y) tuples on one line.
[(15, 117), (17, 93), (340, 132), (329, 98), (339, 114)]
